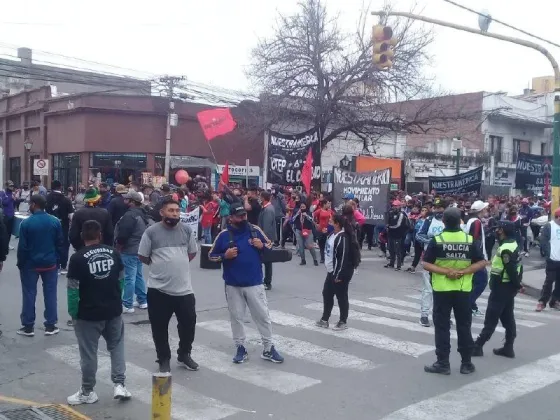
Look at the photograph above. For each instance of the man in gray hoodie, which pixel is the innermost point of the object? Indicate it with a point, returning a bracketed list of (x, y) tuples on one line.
[(267, 222), (279, 205), (128, 233)]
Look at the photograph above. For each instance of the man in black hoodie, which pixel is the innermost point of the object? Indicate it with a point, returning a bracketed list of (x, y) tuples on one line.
[(397, 227), (61, 207), (3, 247), (128, 233), (91, 211), (117, 207)]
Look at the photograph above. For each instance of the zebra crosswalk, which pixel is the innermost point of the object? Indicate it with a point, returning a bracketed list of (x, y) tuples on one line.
[(373, 325)]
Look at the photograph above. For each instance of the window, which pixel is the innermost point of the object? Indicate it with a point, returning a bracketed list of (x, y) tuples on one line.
[(521, 146), (135, 161), (66, 169), (496, 147), (544, 149), (15, 170)]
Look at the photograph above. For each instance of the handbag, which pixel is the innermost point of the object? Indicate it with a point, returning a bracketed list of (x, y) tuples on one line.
[(305, 232)]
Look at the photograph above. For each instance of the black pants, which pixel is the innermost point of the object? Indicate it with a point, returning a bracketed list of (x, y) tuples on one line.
[(490, 241), (500, 308), (418, 249), (460, 303), (340, 290), (552, 278), (278, 230), (536, 232), (161, 308), (322, 240), (9, 223), (288, 233), (267, 273), (524, 237), (396, 250), (367, 234)]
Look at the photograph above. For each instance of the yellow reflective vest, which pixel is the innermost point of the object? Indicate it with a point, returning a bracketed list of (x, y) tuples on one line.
[(454, 251), (498, 264)]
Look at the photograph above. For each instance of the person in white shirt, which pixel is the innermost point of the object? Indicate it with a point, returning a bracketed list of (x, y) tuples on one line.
[(551, 243)]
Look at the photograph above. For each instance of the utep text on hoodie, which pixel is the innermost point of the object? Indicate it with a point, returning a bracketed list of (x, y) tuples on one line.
[(245, 270)]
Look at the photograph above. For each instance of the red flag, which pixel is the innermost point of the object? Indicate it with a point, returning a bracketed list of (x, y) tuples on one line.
[(307, 172), (224, 179), (215, 122)]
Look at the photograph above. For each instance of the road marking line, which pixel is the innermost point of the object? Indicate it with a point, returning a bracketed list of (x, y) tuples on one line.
[(253, 373), (522, 322), (19, 401), (187, 404), (380, 320), (401, 312), (300, 349), (408, 348), (482, 396)]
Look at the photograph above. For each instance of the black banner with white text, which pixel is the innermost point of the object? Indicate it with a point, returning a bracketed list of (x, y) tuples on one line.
[(286, 155), (371, 188), (533, 172), (467, 182)]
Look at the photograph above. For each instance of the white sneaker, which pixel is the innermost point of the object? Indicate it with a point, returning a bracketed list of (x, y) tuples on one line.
[(80, 398), (143, 306), (121, 393), (127, 310), (62, 272), (135, 304)]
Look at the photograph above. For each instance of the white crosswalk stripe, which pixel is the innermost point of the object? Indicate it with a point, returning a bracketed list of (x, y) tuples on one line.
[(402, 312), (297, 348), (368, 338), (522, 322), (380, 320), (253, 373), (481, 396), (187, 404)]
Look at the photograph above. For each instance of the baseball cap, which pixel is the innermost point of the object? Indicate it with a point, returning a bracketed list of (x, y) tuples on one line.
[(477, 206), (237, 209), (134, 196), (121, 189)]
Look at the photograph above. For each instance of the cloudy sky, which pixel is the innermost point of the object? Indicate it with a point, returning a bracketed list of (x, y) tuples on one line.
[(210, 41)]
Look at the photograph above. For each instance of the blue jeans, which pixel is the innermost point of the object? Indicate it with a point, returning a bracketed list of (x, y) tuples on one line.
[(29, 279), (133, 281), (480, 281), (207, 235)]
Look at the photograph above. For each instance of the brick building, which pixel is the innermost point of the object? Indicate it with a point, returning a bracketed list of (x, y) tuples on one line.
[(119, 136)]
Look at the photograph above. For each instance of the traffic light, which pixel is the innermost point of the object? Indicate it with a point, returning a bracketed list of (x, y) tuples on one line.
[(383, 43)]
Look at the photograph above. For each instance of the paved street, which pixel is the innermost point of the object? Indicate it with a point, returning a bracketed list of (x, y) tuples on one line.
[(374, 370)]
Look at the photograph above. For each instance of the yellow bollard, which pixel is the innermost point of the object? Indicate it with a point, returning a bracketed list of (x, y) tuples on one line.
[(161, 396)]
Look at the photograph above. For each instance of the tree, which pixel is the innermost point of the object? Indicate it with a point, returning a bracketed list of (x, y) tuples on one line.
[(311, 69)]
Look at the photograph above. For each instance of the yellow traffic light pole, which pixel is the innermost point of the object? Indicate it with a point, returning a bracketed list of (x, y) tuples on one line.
[(556, 122)]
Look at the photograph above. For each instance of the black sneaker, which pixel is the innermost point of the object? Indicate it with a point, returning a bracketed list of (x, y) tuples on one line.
[(440, 368), (425, 322), (505, 352), (388, 266), (26, 331), (477, 351), (267, 287), (51, 330), (187, 362), (322, 261), (303, 262), (164, 366), (467, 368), (398, 269), (315, 263)]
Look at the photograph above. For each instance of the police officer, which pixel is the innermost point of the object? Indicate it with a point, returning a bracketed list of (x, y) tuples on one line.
[(505, 282), (452, 257)]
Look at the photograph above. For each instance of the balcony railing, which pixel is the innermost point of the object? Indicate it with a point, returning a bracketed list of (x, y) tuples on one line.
[(423, 156), (504, 157)]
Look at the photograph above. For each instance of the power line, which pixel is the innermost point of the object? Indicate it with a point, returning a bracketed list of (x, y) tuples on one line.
[(507, 25)]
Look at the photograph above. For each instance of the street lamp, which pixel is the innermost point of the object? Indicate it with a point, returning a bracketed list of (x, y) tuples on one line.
[(28, 144), (345, 161)]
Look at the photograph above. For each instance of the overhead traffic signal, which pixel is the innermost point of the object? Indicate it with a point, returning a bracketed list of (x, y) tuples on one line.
[(383, 43)]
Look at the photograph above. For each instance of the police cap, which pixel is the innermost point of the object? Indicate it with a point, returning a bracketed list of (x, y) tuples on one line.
[(452, 217), (507, 226)]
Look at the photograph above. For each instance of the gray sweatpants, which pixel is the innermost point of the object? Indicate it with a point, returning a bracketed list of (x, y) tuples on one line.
[(88, 333), (254, 298)]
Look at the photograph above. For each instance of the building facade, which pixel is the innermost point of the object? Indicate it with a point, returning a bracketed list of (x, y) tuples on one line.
[(115, 137)]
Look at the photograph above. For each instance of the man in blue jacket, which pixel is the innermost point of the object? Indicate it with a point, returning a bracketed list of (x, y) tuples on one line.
[(38, 254), (8, 206), (239, 248)]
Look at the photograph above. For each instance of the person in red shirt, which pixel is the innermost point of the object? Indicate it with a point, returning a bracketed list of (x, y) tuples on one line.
[(322, 215), (209, 208)]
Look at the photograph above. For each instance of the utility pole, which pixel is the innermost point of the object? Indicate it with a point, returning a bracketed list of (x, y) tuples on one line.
[(170, 83), (556, 121)]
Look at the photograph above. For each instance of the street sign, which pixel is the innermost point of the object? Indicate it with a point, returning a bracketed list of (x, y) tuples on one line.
[(40, 167)]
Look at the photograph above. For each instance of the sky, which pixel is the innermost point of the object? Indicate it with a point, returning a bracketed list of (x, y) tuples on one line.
[(210, 41)]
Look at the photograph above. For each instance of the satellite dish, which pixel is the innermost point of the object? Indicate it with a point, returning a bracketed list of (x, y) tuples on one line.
[(484, 20)]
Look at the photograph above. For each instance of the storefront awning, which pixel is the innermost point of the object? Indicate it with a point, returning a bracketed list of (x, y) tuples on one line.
[(191, 162)]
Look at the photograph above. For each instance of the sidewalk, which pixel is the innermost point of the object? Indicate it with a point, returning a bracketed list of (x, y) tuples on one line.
[(533, 281)]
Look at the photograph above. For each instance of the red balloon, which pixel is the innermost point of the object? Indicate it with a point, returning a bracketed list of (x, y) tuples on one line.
[(181, 176)]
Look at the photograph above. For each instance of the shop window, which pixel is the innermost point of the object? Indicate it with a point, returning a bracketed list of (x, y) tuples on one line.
[(66, 168), (117, 167), (14, 170)]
